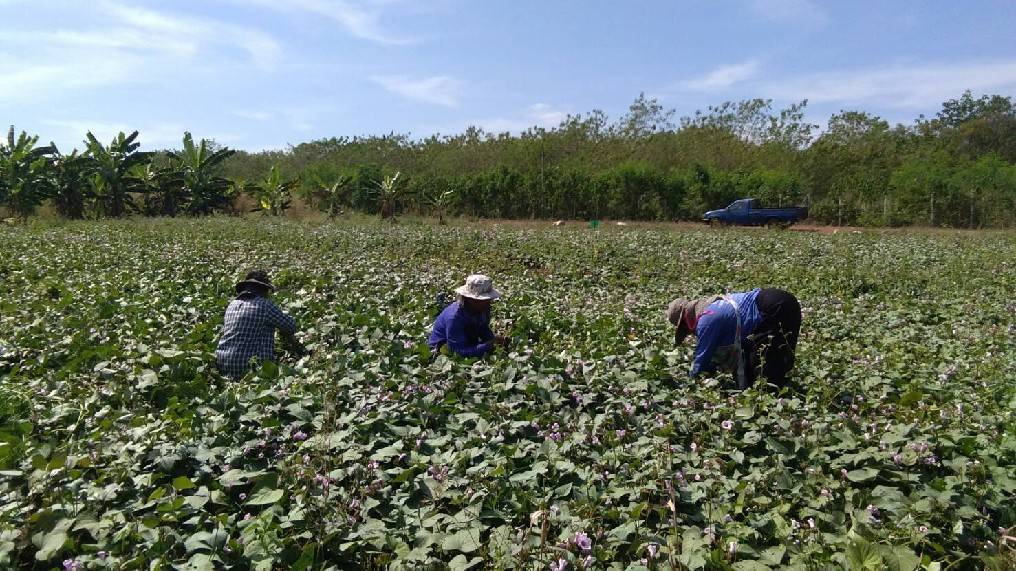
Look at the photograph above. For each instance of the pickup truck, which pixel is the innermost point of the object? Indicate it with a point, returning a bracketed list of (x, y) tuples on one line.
[(749, 212)]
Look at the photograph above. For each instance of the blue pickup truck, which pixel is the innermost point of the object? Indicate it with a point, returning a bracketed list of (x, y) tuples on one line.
[(749, 212)]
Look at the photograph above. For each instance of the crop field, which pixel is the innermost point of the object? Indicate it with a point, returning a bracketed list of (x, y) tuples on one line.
[(583, 446)]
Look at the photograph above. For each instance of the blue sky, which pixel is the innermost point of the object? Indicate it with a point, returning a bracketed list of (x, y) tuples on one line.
[(263, 74)]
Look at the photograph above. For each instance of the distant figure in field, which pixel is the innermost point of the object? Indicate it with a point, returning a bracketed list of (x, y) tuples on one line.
[(248, 330), (464, 326), (744, 333)]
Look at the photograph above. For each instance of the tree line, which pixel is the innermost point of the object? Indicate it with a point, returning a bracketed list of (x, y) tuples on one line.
[(955, 169)]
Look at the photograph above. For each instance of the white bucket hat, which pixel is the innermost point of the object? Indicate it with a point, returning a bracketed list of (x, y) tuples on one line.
[(478, 287)]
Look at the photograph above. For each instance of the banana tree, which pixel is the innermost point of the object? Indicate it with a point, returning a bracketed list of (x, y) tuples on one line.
[(25, 173), (440, 203), (110, 169), (196, 166), (273, 194), (388, 193), (332, 197), (163, 190), (71, 189)]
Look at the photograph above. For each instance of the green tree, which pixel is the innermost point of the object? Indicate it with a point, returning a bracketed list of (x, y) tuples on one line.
[(196, 170), (110, 167), (273, 195), (25, 173)]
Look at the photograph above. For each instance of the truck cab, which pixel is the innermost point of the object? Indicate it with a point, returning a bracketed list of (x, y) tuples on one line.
[(751, 212)]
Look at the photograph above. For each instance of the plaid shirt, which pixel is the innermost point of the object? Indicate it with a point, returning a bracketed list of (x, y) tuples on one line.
[(249, 331)]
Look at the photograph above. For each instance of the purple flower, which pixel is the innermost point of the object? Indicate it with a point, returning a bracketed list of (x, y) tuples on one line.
[(559, 565), (583, 542), (407, 344), (243, 497), (727, 424), (300, 435), (588, 562), (247, 517), (652, 548), (620, 433), (71, 565), (873, 513)]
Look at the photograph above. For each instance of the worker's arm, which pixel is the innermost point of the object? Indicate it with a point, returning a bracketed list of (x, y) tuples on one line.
[(459, 342), (284, 323), (708, 332)]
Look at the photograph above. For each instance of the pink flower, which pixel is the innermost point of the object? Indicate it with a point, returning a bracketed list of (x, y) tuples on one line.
[(583, 541), (727, 424), (652, 549), (407, 344), (300, 435), (621, 433), (559, 565), (243, 497)]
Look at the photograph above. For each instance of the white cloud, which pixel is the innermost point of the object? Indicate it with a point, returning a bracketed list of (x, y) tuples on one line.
[(790, 11), (116, 44), (536, 115), (902, 86), (440, 90), (724, 77), (70, 133), (165, 32), (254, 115), (362, 20)]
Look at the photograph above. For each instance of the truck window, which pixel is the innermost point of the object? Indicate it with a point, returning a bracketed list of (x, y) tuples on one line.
[(739, 206), (755, 204)]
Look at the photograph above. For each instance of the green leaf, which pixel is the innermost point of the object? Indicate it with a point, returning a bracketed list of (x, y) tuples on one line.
[(863, 556), (459, 563), (464, 540), (862, 474), (265, 496), (182, 483)]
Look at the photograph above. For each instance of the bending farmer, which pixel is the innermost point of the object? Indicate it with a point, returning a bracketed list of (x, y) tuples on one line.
[(744, 333), (248, 330), (464, 326)]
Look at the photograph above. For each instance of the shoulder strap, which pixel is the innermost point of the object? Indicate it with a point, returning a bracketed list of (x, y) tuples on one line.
[(742, 379)]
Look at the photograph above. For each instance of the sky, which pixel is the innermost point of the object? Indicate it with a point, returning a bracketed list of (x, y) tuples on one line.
[(266, 74)]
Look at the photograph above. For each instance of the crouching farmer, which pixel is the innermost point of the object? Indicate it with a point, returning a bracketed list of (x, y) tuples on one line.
[(743, 333), (248, 330), (464, 326)]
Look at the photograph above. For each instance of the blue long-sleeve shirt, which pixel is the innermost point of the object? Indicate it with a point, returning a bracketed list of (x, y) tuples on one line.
[(716, 327), (465, 333)]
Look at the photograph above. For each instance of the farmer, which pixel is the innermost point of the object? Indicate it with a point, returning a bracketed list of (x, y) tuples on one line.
[(744, 333), (464, 326), (248, 330)]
